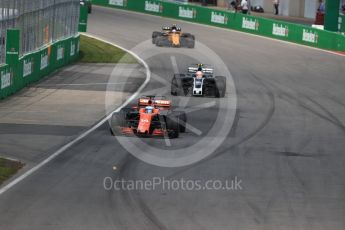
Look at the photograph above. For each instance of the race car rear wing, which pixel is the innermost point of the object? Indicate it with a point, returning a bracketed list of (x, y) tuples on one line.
[(154, 102), (167, 28), (204, 70), (162, 103)]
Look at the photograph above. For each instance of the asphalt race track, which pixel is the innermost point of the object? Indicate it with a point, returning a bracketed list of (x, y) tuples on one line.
[(285, 138)]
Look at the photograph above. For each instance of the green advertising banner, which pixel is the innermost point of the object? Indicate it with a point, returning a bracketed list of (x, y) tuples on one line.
[(332, 15), (83, 17), (12, 46), (6, 81), (32, 67), (300, 34)]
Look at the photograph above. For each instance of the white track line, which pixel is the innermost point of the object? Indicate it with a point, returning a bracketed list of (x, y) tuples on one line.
[(85, 134), (85, 84), (174, 64)]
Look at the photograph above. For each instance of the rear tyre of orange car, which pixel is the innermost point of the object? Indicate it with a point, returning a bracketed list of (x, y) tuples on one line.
[(162, 42), (188, 35), (172, 126), (155, 35), (188, 41), (117, 121), (191, 44)]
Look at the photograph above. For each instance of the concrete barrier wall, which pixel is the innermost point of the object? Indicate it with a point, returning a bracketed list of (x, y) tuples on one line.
[(300, 34)]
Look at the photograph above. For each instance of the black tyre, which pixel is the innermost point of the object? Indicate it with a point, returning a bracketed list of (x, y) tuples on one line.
[(172, 126), (189, 92), (163, 41), (221, 86), (184, 42), (159, 43), (191, 44), (188, 40), (188, 35), (155, 35), (117, 121), (210, 90), (174, 86)]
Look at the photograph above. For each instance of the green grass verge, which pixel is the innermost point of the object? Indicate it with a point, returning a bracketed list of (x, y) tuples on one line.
[(95, 51), (8, 168)]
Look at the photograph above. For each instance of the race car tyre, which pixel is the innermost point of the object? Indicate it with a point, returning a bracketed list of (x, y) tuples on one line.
[(176, 91), (155, 35), (187, 42), (162, 42), (210, 91), (188, 35), (117, 121), (189, 92), (191, 44), (221, 86), (172, 126)]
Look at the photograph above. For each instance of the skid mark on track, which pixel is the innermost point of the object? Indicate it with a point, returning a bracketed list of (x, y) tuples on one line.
[(263, 124), (299, 154), (235, 124), (324, 114), (134, 201), (231, 146)]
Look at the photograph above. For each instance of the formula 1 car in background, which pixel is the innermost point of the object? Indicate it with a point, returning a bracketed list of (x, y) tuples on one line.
[(173, 37), (151, 117), (199, 81)]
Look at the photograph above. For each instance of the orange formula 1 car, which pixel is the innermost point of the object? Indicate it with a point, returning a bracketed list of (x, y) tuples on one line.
[(151, 117), (173, 37)]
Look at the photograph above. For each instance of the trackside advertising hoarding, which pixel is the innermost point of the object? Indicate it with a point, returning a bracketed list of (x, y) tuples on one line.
[(34, 66), (256, 25)]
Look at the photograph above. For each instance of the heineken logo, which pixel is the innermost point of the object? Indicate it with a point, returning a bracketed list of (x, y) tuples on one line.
[(310, 36), (44, 61), (153, 7), (250, 24), (185, 12), (60, 53), (219, 18), (280, 30), (118, 2), (6, 79), (27, 67)]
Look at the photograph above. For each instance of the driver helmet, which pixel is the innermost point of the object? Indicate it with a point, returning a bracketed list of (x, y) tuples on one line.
[(174, 28), (199, 74), (149, 109)]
